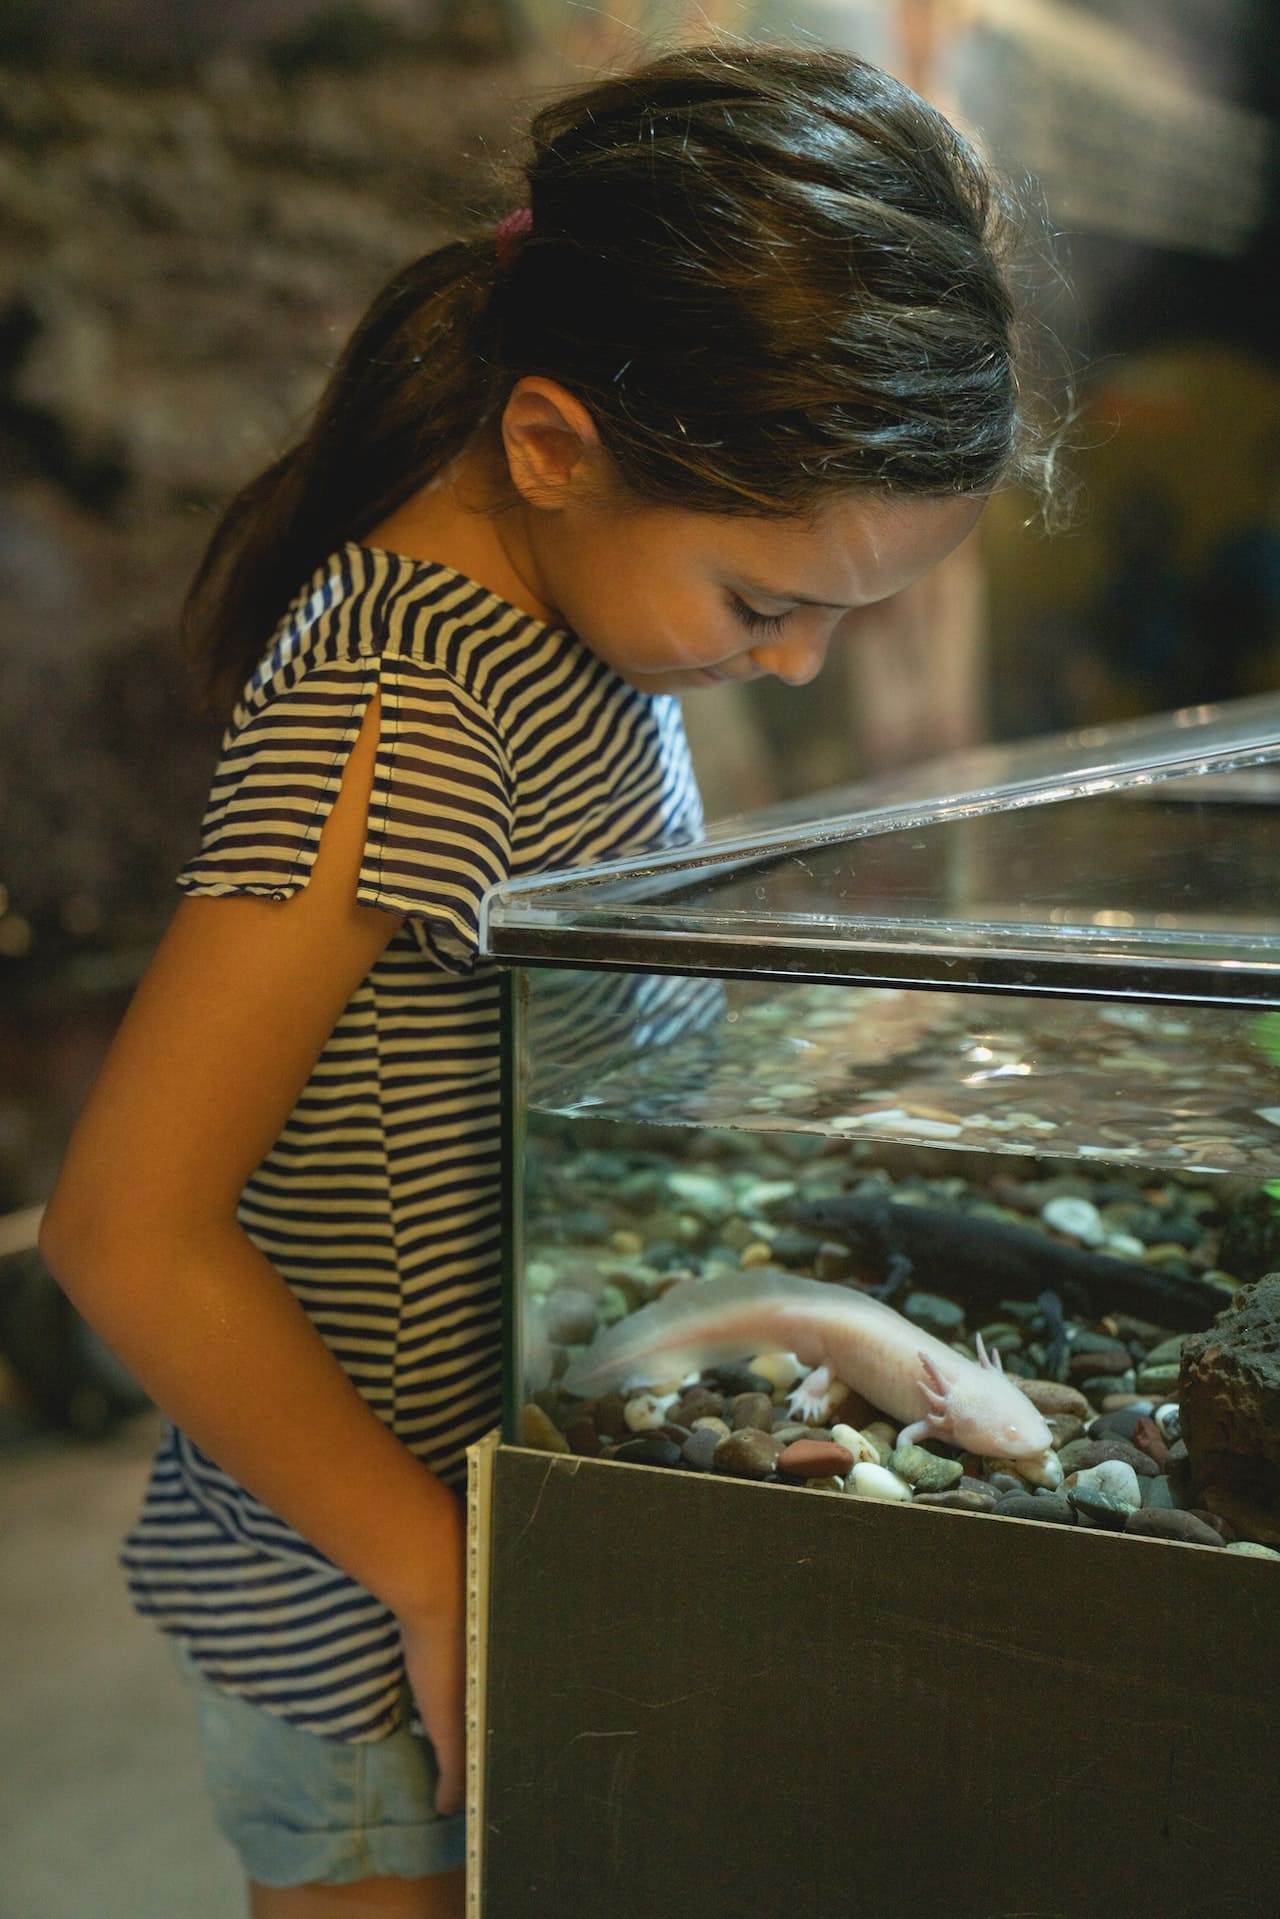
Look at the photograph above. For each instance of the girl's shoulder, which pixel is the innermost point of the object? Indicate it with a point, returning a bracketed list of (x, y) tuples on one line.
[(365, 608)]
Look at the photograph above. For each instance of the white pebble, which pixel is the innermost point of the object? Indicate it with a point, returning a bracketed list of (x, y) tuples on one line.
[(863, 1450), (1270, 1113), (699, 1190), (782, 1370), (647, 1411), (540, 1275), (1123, 1246), (1115, 1477), (1078, 1218), (876, 1482), (761, 1194), (1169, 1419)]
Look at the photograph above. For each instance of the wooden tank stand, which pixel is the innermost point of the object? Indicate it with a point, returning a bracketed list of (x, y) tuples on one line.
[(706, 1697)]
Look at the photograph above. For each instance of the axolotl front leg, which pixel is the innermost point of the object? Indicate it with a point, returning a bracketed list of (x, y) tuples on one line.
[(936, 1393), (944, 1409)]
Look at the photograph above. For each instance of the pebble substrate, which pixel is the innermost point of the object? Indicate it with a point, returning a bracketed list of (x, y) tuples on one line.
[(612, 1228)]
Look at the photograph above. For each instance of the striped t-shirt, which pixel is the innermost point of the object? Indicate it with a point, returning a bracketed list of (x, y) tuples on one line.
[(506, 748)]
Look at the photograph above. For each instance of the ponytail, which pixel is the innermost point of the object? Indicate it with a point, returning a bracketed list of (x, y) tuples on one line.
[(411, 388)]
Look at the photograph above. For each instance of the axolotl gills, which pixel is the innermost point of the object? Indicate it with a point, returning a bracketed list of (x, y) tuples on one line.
[(843, 1336)]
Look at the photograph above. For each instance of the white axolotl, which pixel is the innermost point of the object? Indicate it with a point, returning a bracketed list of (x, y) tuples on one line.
[(843, 1335)]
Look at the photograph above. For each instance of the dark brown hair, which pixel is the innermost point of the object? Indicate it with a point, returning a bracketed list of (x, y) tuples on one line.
[(773, 276)]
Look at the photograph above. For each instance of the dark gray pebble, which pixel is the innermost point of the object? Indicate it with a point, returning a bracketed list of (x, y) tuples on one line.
[(699, 1449), (934, 1314), (1157, 1522), (1098, 1385), (1002, 1483), (1100, 1505), (663, 1254), (1053, 1510), (960, 1499), (1157, 1494), (1120, 1424), (791, 1247), (732, 1380), (584, 1224), (971, 1485), (648, 1449), (1021, 1366), (1085, 1342)]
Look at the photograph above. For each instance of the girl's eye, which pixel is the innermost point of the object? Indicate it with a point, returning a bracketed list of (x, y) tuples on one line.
[(753, 621)]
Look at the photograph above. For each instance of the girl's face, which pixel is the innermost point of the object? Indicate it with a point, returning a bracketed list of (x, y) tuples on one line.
[(675, 600)]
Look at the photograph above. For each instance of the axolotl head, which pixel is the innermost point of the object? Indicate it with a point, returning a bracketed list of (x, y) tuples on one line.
[(978, 1408)]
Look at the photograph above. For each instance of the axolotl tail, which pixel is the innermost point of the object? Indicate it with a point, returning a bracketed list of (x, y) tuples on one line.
[(706, 1322)]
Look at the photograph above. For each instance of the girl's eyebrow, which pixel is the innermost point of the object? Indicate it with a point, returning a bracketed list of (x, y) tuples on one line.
[(799, 599)]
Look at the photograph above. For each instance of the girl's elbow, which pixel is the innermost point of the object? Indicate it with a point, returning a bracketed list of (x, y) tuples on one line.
[(66, 1232), (84, 1232)]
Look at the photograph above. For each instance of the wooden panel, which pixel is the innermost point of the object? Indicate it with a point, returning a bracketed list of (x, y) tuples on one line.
[(709, 1697)]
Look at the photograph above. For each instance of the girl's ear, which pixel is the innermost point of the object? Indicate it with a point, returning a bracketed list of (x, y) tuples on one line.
[(552, 447)]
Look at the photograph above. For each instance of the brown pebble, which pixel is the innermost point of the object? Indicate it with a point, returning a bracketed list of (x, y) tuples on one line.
[(1116, 1402), (698, 1403), (1223, 1527), (1048, 1396), (959, 1500), (814, 1459), (746, 1454), (537, 1430), (1166, 1522), (610, 1415), (583, 1439), (751, 1410), (1097, 1365), (1149, 1439), (1065, 1427)]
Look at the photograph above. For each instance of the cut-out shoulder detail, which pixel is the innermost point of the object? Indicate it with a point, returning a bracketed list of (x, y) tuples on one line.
[(439, 818)]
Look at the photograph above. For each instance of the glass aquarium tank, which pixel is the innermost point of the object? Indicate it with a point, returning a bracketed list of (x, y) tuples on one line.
[(912, 1152)]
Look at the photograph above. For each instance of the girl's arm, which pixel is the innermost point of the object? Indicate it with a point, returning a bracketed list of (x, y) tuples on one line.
[(142, 1234)]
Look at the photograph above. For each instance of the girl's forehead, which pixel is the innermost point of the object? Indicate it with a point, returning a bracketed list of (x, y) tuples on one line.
[(857, 547)]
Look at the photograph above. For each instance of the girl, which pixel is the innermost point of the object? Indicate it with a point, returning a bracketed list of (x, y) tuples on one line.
[(743, 367)]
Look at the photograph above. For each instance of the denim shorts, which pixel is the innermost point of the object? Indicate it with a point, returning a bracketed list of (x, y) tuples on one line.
[(303, 1810)]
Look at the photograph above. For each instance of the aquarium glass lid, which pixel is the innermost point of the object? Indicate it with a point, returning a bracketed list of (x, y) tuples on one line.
[(1140, 857)]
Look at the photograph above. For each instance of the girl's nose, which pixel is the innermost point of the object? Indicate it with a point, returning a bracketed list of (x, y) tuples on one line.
[(796, 659)]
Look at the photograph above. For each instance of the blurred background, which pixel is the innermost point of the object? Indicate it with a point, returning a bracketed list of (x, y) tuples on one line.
[(195, 205)]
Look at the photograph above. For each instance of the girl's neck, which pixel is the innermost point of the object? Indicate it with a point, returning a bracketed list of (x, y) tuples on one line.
[(465, 520)]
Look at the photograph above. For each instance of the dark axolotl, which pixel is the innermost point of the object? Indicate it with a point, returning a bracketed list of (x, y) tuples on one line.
[(986, 1260)]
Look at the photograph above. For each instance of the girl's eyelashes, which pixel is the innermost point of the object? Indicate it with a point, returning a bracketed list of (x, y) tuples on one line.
[(754, 621)]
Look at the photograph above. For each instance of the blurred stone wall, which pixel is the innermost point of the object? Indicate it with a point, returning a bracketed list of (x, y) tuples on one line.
[(182, 252)]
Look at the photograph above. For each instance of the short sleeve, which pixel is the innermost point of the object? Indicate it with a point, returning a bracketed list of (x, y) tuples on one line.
[(440, 812)]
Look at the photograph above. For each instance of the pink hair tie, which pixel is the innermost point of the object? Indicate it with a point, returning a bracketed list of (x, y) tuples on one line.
[(511, 231)]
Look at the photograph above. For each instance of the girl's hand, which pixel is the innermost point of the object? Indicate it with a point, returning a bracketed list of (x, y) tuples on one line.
[(435, 1659)]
